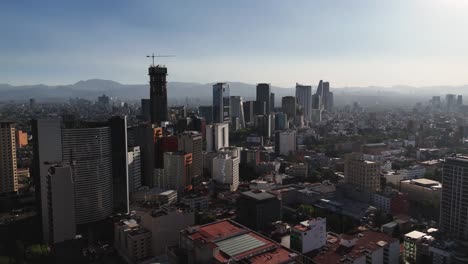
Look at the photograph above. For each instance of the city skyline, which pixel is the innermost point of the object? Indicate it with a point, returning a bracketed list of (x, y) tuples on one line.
[(360, 44)]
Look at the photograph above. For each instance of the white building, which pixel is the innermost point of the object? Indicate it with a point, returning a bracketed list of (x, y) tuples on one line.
[(134, 169), (413, 172), (217, 136), (60, 204), (309, 235), (226, 171), (304, 98), (285, 142)]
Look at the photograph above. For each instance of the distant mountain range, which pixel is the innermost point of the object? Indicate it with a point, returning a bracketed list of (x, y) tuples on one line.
[(178, 92)]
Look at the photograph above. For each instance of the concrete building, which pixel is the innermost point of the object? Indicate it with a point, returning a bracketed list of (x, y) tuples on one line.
[(132, 241), (226, 171), (365, 246), (362, 174), (134, 169), (226, 241), (264, 95), (316, 116), (258, 209), (217, 136), (262, 124), (422, 191), (250, 157), (177, 171), (304, 98), (299, 170), (221, 103), (192, 142), (164, 224), (288, 105), (285, 142), (8, 167), (196, 202), (413, 172), (309, 235), (454, 200), (158, 94), (60, 204)]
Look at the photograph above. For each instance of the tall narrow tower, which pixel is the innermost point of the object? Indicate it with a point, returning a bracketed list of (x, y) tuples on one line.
[(158, 93)]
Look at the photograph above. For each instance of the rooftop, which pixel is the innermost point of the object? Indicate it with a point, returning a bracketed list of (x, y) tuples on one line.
[(415, 234), (366, 241), (236, 242), (258, 195)]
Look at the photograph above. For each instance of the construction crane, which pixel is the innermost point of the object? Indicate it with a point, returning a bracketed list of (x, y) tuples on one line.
[(158, 56)]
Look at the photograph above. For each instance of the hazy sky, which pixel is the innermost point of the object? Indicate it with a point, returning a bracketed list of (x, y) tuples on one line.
[(348, 42)]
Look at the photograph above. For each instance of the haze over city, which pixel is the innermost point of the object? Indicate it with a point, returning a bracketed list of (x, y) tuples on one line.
[(354, 43), (233, 132)]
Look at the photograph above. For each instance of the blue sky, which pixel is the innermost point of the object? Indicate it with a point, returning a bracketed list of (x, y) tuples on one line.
[(349, 43)]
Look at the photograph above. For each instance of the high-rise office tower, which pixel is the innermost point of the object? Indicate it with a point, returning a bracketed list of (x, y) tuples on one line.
[(146, 110), (144, 137), (272, 102), (61, 224), (8, 169), (226, 171), (323, 98), (134, 169), (362, 174), (288, 104), (97, 151), (263, 125), (281, 121), (450, 102), (237, 109), (217, 136), (177, 170), (119, 143), (221, 103), (264, 95), (158, 93), (460, 100), (454, 200), (304, 98), (192, 142), (206, 111)]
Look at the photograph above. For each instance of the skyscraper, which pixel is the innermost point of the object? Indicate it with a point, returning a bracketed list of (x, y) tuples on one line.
[(217, 136), (192, 142), (288, 104), (272, 102), (177, 170), (206, 111), (304, 98), (158, 93), (60, 204), (454, 200), (146, 110), (134, 169), (237, 109), (285, 142), (221, 103), (264, 95), (8, 170), (97, 153), (323, 98)]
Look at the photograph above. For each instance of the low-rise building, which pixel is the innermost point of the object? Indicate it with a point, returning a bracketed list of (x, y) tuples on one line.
[(197, 202), (164, 224), (309, 235), (365, 246), (132, 241), (423, 191), (227, 242)]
